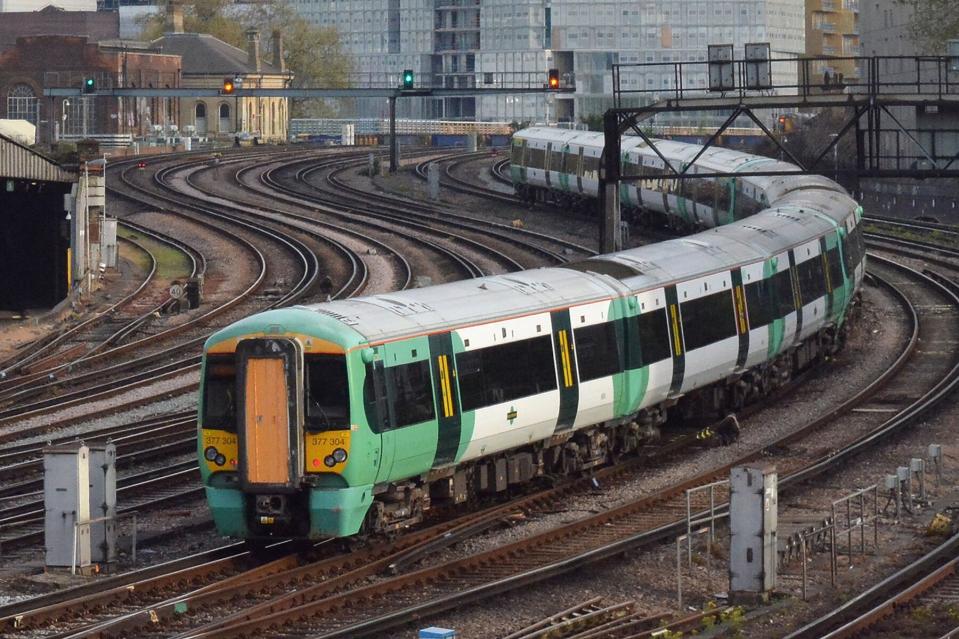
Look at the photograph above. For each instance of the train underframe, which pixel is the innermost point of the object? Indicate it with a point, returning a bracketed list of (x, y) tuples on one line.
[(401, 504)]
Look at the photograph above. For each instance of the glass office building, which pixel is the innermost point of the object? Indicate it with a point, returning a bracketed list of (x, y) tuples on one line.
[(495, 43)]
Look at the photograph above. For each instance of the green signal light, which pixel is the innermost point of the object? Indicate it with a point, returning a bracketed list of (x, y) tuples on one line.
[(408, 79)]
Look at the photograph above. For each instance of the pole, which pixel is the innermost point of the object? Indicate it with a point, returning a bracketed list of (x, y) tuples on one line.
[(611, 238), (394, 152)]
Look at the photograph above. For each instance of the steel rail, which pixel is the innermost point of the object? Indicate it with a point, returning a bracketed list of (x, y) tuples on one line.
[(304, 607)]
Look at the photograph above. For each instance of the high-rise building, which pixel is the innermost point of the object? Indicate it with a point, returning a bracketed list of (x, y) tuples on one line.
[(493, 43), (832, 29)]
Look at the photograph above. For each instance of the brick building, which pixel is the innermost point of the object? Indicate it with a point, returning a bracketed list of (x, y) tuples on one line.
[(51, 20), (44, 61)]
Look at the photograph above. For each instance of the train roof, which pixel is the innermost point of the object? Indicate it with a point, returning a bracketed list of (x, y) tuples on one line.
[(388, 316)]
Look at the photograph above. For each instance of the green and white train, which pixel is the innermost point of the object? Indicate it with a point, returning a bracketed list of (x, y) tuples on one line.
[(358, 415)]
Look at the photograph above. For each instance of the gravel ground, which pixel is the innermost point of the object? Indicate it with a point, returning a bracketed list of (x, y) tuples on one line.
[(649, 578), (173, 389)]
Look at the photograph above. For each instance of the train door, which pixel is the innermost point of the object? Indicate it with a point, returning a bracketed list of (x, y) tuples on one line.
[(270, 373), (546, 163), (380, 422), (579, 171)]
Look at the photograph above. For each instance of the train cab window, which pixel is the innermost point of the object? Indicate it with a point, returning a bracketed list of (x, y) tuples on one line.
[(835, 267), (411, 391), (219, 392), (852, 249), (785, 300), (327, 395), (506, 372), (535, 158), (597, 351), (708, 320), (653, 337), (812, 279)]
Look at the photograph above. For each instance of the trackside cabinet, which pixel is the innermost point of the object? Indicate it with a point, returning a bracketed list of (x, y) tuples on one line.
[(103, 503), (66, 500), (753, 504)]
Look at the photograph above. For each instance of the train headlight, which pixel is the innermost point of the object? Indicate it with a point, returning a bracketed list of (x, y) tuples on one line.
[(329, 461), (220, 460), (339, 455), (210, 453)]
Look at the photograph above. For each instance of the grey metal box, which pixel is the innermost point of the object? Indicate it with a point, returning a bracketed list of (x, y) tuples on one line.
[(758, 66), (722, 67), (103, 502), (753, 505), (66, 499)]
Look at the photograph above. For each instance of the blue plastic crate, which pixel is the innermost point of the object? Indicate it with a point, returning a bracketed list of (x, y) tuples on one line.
[(437, 633)]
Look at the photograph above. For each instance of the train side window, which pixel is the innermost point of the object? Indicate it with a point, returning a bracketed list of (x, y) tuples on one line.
[(597, 351), (783, 287), (835, 267), (812, 279), (411, 391), (761, 302), (653, 337), (535, 158), (219, 392), (590, 167), (708, 319), (506, 372), (555, 160), (327, 394)]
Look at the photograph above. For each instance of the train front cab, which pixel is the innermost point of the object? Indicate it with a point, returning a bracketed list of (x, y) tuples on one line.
[(276, 440)]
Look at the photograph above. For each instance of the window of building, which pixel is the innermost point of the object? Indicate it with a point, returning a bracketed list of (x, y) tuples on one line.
[(708, 320), (81, 115), (22, 104)]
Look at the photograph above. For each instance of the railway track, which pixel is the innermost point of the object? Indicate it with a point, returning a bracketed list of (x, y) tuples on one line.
[(890, 608), (350, 606)]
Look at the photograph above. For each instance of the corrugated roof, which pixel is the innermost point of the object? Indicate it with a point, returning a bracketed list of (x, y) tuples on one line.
[(203, 54), (20, 162)]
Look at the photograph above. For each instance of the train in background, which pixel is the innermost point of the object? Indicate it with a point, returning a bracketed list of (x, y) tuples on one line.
[(332, 419), (562, 166)]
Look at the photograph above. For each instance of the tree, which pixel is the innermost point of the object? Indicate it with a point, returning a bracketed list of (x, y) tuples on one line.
[(932, 23), (314, 54)]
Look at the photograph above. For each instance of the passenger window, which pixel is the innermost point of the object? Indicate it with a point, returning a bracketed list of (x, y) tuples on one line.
[(783, 287), (653, 337), (708, 319), (812, 279), (597, 351), (327, 394), (535, 158), (411, 391), (835, 268), (503, 373), (219, 392), (761, 302), (556, 161)]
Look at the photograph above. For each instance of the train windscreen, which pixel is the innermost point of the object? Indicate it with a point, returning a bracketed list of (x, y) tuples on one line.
[(327, 393), (219, 393)]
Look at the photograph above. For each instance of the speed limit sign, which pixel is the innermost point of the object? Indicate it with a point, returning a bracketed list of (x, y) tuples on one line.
[(176, 291)]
